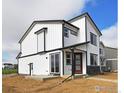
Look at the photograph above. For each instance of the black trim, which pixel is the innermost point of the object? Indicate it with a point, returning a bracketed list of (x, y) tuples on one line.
[(62, 35), (92, 70), (78, 16), (63, 60), (86, 41), (44, 41), (94, 24), (87, 15), (37, 43), (41, 30), (73, 62), (44, 21), (91, 39), (56, 49), (90, 59), (19, 54)]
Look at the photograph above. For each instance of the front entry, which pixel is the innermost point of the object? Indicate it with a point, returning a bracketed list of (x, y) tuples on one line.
[(78, 63)]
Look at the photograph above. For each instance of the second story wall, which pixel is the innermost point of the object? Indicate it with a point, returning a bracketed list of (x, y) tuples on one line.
[(33, 43), (92, 48), (80, 23)]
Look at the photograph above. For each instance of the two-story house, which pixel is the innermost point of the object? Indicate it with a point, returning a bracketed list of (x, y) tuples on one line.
[(59, 47)]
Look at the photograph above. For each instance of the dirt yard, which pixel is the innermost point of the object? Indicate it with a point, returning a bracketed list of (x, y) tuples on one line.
[(18, 84)]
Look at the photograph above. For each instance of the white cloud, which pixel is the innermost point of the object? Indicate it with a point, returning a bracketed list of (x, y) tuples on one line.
[(109, 36), (19, 14)]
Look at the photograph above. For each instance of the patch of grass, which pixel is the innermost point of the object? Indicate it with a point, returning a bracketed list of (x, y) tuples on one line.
[(9, 71)]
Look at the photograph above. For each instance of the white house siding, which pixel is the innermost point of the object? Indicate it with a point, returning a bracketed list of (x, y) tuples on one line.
[(53, 38), (40, 44), (71, 40), (41, 64), (80, 23), (91, 48)]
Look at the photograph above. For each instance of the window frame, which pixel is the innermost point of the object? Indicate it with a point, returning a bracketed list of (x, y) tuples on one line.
[(66, 32), (70, 58), (93, 39), (54, 63), (94, 56)]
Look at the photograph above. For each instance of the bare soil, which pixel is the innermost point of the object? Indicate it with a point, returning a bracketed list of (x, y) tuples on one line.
[(18, 84), (108, 75)]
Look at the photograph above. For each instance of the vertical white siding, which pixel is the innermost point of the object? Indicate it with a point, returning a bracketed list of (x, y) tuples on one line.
[(54, 36), (80, 24), (53, 39), (71, 40), (41, 64), (40, 42), (91, 48)]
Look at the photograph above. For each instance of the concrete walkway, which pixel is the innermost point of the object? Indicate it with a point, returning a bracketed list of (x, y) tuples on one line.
[(41, 77), (102, 79)]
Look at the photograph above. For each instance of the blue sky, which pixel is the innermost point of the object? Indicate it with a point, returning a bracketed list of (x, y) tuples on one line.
[(103, 12), (21, 13)]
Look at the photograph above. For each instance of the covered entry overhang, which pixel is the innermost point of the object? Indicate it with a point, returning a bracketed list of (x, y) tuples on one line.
[(75, 59)]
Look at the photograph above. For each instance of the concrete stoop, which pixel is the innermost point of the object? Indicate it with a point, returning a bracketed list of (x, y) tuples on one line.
[(41, 77), (76, 76)]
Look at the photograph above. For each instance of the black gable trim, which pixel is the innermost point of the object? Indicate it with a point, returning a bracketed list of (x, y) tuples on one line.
[(85, 15), (44, 21), (41, 30), (42, 52)]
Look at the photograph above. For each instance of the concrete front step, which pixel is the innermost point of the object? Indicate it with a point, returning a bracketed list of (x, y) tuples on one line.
[(75, 76), (42, 77)]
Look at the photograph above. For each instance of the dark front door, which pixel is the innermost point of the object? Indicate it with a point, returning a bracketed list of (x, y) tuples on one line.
[(78, 63)]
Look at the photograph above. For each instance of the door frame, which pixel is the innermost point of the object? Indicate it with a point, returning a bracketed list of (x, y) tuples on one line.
[(80, 64), (55, 73), (30, 68)]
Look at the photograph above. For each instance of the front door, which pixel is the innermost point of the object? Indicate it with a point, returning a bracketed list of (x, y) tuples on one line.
[(78, 63)]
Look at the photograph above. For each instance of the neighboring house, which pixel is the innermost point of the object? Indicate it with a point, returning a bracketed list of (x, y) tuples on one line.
[(102, 56), (111, 58), (7, 66), (59, 47)]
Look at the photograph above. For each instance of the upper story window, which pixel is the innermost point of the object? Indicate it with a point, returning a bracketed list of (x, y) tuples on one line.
[(93, 59), (74, 33), (66, 32), (93, 39)]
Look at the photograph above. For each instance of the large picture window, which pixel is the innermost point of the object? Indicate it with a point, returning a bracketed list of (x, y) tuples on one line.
[(93, 59), (55, 62), (93, 39)]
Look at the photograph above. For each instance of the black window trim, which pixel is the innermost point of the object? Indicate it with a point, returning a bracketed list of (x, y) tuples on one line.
[(68, 58), (91, 39), (96, 60)]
